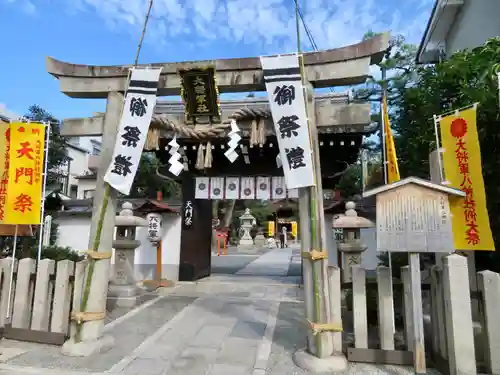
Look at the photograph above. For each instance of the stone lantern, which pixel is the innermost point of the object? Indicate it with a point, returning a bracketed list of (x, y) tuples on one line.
[(350, 245), (123, 291), (247, 221)]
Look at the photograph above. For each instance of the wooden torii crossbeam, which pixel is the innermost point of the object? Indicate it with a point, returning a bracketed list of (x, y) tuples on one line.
[(336, 67)]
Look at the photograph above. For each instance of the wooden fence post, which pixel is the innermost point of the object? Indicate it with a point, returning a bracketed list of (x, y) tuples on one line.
[(359, 310), (62, 296), (24, 291), (385, 308), (408, 308), (458, 316), (42, 301), (489, 285)]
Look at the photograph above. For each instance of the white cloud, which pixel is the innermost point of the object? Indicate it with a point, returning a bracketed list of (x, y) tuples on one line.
[(269, 24), (26, 5)]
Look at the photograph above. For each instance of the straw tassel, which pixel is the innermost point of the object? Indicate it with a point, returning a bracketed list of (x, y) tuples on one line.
[(261, 132), (253, 133), (200, 159), (153, 140), (208, 155)]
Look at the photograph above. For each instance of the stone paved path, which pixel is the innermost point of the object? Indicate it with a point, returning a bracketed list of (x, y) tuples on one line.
[(275, 262), (222, 325)]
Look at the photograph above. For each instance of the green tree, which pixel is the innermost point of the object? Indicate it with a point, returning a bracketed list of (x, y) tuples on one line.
[(398, 73), (398, 64), (466, 77), (349, 184), (57, 153), (147, 182)]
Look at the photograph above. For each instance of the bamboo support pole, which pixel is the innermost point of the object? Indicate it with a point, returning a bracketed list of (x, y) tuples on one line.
[(318, 268)]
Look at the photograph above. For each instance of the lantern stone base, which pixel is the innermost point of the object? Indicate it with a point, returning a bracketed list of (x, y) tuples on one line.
[(122, 296), (87, 348), (309, 362), (260, 240), (246, 243)]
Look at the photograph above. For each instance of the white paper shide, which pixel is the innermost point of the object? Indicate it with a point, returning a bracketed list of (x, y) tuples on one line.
[(140, 102), (286, 98)]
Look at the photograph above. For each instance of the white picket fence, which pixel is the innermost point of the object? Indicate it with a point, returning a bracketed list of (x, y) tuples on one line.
[(454, 342), (41, 300), (362, 341)]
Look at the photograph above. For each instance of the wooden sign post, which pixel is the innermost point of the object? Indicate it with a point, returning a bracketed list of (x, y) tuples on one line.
[(413, 216)]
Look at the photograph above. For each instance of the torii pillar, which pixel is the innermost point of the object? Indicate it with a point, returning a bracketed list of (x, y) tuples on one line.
[(91, 338)]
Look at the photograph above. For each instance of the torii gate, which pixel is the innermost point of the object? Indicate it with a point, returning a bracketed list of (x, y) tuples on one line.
[(337, 67)]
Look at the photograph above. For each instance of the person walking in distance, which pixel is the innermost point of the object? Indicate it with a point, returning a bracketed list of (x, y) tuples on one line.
[(283, 237)]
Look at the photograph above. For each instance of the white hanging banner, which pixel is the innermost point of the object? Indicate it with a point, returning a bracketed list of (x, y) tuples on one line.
[(232, 190), (202, 188), (139, 106), (263, 188), (286, 99), (247, 189), (293, 193), (216, 187), (278, 188)]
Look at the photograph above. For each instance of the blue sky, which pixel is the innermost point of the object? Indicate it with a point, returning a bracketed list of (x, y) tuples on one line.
[(106, 32)]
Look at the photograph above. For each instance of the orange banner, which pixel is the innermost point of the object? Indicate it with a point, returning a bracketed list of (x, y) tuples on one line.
[(4, 167), (26, 160), (463, 170)]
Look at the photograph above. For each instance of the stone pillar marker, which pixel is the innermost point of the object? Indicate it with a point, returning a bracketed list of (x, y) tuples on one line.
[(247, 221), (351, 246), (123, 291)]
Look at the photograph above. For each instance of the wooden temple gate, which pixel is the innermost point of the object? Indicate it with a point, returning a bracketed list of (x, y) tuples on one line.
[(340, 125)]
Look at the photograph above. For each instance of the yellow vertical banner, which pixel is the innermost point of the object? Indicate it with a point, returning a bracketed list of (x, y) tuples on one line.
[(390, 148), (26, 160), (4, 167), (463, 170), (270, 228), (294, 229)]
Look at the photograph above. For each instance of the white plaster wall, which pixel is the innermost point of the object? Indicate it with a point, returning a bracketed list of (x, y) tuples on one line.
[(145, 255), (85, 185), (474, 25), (78, 165), (75, 231)]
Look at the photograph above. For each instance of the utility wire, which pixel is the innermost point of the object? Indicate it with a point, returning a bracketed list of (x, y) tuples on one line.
[(308, 31)]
